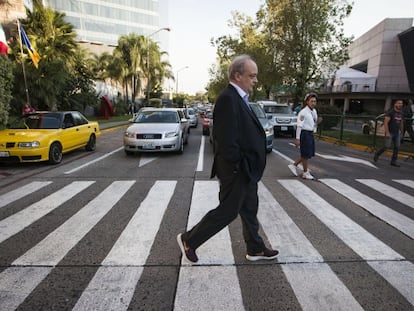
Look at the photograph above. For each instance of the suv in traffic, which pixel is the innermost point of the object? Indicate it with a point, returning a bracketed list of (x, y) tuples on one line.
[(284, 119)]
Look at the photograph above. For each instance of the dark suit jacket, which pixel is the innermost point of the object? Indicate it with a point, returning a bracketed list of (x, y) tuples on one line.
[(239, 139)]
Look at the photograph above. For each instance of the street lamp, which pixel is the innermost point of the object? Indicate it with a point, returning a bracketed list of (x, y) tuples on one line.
[(176, 86), (148, 59)]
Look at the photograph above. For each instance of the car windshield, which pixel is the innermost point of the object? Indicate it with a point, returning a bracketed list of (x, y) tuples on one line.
[(277, 109), (37, 121), (258, 111), (157, 117)]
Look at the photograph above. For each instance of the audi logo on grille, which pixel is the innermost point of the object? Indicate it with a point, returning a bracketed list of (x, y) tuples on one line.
[(147, 136)]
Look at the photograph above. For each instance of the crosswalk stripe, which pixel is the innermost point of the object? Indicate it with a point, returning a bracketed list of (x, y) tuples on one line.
[(217, 250), (16, 283), (304, 261), (21, 192), (395, 219), (362, 242), (389, 191), (405, 182), (212, 288), (53, 248), (112, 287), (17, 222), (220, 277), (282, 232), (317, 287), (214, 279), (356, 237), (134, 244)]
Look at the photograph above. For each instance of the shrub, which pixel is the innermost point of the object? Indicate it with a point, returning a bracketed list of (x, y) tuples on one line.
[(331, 116)]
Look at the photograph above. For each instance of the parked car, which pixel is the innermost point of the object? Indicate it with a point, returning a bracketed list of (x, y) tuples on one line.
[(192, 115), (266, 123), (46, 136), (206, 119), (284, 119), (368, 128), (156, 129)]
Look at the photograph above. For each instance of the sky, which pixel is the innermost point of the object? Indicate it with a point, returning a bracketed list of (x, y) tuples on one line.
[(193, 23)]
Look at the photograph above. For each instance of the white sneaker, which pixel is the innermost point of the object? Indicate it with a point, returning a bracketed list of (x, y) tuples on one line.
[(292, 168), (307, 175)]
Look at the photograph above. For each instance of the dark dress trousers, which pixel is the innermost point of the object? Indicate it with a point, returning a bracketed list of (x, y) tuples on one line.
[(239, 162)]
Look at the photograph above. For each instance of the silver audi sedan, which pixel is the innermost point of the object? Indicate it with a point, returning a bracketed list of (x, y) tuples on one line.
[(156, 130)]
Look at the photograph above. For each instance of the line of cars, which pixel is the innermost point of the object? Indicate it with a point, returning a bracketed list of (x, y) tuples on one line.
[(46, 136)]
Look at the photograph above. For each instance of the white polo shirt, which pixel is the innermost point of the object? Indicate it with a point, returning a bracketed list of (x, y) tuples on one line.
[(307, 120)]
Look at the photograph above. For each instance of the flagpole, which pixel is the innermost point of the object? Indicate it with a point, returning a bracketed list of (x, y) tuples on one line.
[(24, 71)]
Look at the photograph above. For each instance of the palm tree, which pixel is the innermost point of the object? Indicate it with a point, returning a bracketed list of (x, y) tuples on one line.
[(62, 69), (130, 51)]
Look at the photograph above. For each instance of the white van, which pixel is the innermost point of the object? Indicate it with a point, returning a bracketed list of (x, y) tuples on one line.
[(284, 119)]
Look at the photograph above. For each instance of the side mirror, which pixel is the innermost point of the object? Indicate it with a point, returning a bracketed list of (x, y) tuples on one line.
[(184, 120)]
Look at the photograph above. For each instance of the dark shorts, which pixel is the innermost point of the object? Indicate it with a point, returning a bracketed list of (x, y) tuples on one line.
[(307, 144)]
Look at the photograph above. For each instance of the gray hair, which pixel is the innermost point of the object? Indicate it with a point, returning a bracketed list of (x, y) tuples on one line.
[(237, 65)]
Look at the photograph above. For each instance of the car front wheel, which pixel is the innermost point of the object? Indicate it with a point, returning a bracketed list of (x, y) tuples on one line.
[(91, 145), (55, 153), (181, 150)]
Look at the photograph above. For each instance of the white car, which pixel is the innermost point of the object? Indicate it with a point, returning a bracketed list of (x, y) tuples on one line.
[(156, 130), (284, 119), (192, 117)]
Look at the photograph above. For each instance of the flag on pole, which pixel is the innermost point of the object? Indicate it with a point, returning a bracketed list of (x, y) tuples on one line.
[(32, 52), (3, 43)]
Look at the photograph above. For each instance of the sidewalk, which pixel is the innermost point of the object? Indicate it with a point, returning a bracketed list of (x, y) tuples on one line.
[(108, 125)]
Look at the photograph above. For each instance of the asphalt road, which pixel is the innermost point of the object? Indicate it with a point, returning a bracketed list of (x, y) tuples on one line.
[(98, 232)]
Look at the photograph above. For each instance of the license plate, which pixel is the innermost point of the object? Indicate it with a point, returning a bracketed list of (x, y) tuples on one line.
[(148, 146), (4, 154), (283, 128)]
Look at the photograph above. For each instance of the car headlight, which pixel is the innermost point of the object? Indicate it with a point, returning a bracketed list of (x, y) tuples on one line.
[(269, 131), (171, 134), (130, 134), (29, 144)]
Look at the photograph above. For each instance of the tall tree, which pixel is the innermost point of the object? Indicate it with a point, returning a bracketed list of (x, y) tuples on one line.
[(294, 43), (62, 73), (310, 39)]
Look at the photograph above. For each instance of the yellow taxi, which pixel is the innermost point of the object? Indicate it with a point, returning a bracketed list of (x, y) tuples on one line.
[(46, 136)]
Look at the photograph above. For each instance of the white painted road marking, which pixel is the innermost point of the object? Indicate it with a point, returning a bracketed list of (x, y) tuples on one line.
[(21, 192), (20, 220), (114, 283), (395, 219)]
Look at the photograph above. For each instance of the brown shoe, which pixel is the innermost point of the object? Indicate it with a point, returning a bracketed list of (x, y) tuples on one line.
[(188, 253), (266, 254)]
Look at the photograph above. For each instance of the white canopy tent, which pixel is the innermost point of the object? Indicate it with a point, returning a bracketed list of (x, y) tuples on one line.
[(352, 80)]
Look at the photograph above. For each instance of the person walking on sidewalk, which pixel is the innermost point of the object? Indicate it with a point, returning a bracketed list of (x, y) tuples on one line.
[(394, 128), (239, 161), (306, 126)]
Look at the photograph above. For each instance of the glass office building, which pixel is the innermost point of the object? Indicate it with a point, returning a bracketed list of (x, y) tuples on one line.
[(104, 21)]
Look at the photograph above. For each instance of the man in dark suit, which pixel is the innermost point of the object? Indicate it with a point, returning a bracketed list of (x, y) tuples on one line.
[(239, 162)]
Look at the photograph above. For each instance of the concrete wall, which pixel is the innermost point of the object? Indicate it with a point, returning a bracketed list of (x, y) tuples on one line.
[(381, 49)]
